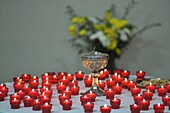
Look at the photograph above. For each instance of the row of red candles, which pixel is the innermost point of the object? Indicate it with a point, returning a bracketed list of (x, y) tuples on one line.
[(47, 77)]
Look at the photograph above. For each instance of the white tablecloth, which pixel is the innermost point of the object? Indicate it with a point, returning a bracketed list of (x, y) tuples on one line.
[(126, 100)]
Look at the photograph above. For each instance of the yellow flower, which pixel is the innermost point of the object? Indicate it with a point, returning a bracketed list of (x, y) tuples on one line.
[(107, 15), (72, 30), (118, 51), (113, 44), (83, 32), (97, 26), (75, 20), (82, 20), (118, 23), (110, 33)]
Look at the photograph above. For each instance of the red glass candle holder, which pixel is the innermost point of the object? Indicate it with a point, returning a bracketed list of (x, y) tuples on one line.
[(64, 80), (125, 82), (119, 79), (88, 107), (115, 103), (165, 100), (125, 74), (107, 72), (84, 99), (33, 84), (26, 89), (135, 91), (168, 87), (109, 94), (21, 94), (92, 96), (144, 104), (138, 98), (36, 105), (79, 75), (27, 101), (46, 108), (67, 92), (61, 87), (118, 71), (62, 98), (102, 75), (151, 87), (117, 89), (162, 91), (131, 84), (54, 79), (110, 83), (148, 95), (33, 93), (26, 77), (72, 83), (75, 90), (15, 103), (67, 104), (134, 108), (140, 75), (105, 109), (4, 90), (2, 96), (70, 77), (158, 108), (62, 74), (88, 82)]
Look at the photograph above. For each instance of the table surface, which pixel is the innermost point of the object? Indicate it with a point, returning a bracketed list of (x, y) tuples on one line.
[(126, 100)]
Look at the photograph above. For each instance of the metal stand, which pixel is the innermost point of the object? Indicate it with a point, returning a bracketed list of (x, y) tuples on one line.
[(95, 88)]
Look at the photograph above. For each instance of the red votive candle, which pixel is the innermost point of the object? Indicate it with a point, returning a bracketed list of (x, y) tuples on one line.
[(134, 108), (125, 83), (115, 103), (27, 101), (148, 95), (64, 80), (67, 93), (26, 77), (15, 103), (61, 74), (21, 94), (101, 85), (144, 104), (113, 76), (105, 109), (40, 96), (46, 108), (107, 72), (62, 98), (151, 87), (102, 75), (34, 78), (162, 91), (70, 77), (4, 90), (92, 96), (61, 87), (15, 95), (2, 96), (165, 100), (119, 79), (168, 87), (45, 99), (18, 86), (110, 83), (15, 79), (88, 82), (47, 84), (75, 90), (168, 104), (2, 86), (131, 84), (54, 79), (72, 83), (26, 89), (138, 98), (67, 104), (33, 84), (140, 75), (33, 93), (125, 74), (117, 89), (88, 107), (84, 99), (109, 94), (158, 108), (46, 75), (79, 75), (36, 105), (48, 92), (135, 91)]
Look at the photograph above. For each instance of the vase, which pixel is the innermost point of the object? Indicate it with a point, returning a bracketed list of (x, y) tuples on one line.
[(111, 63)]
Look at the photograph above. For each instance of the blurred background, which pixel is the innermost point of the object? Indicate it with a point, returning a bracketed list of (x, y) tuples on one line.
[(34, 36)]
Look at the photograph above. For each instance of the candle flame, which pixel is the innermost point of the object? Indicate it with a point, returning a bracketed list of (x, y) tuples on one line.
[(117, 84), (135, 87), (66, 100), (144, 100), (148, 90), (131, 82), (15, 98), (72, 81), (61, 83), (105, 105), (91, 92), (69, 75), (46, 74), (85, 96), (88, 102), (166, 96), (140, 71), (36, 100), (100, 81), (25, 74), (119, 76), (115, 74), (135, 105), (138, 95), (110, 79), (125, 79), (150, 83), (74, 86), (67, 89), (46, 103), (101, 72), (64, 77), (54, 76), (162, 86), (64, 94), (28, 96), (15, 94), (110, 89), (79, 72), (34, 77), (159, 104), (115, 98)]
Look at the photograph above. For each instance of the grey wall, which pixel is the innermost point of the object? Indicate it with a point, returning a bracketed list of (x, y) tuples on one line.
[(34, 36)]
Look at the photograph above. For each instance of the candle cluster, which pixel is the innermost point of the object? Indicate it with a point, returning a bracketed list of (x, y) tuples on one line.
[(37, 92)]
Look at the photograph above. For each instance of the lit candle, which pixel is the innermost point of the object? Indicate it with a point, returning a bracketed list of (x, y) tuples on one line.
[(138, 98), (61, 87), (84, 99), (113, 76), (117, 89), (92, 96), (135, 91), (88, 107), (72, 83), (101, 85), (15, 95), (119, 79), (109, 94), (158, 108), (162, 91), (102, 75), (134, 108), (48, 92), (110, 83), (105, 109), (54, 79), (18, 86), (67, 104), (107, 72), (36, 105), (62, 74), (26, 77), (88, 82), (79, 75), (148, 95), (125, 74), (26, 89), (125, 83), (46, 108), (27, 101), (62, 98), (151, 87), (21, 94), (118, 71), (70, 77), (64, 80), (33, 93), (140, 75), (67, 93), (33, 84), (45, 99), (75, 90), (165, 100), (131, 84), (15, 103), (34, 78), (115, 103), (4, 90), (144, 104), (47, 84), (46, 75), (168, 87)]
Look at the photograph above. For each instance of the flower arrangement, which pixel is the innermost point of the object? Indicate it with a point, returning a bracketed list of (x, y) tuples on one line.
[(109, 34)]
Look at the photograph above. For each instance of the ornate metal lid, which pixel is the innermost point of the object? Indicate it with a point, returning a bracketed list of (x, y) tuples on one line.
[(94, 55)]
